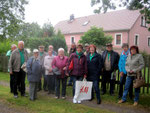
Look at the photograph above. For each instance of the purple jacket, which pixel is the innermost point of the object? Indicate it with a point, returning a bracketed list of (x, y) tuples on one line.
[(79, 65), (60, 64)]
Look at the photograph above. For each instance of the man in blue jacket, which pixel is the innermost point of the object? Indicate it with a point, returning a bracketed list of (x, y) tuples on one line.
[(123, 72)]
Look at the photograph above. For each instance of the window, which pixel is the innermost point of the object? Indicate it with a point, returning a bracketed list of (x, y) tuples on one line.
[(136, 40), (85, 23), (118, 39), (72, 40), (148, 41), (143, 21)]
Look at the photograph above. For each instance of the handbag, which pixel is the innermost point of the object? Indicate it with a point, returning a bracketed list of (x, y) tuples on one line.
[(139, 81), (56, 71)]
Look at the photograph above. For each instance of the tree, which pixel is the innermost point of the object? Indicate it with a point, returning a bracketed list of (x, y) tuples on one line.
[(142, 5), (11, 15), (48, 30), (96, 36)]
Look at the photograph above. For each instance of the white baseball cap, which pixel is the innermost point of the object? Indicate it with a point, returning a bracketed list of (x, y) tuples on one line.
[(35, 50)]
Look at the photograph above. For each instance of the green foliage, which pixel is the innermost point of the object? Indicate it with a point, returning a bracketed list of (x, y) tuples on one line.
[(142, 5), (96, 36), (57, 42), (11, 15), (6, 45)]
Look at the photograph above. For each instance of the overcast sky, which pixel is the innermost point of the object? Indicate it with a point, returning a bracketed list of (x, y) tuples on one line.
[(41, 11)]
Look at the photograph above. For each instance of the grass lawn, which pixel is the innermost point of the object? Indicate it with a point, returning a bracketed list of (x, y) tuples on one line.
[(47, 104)]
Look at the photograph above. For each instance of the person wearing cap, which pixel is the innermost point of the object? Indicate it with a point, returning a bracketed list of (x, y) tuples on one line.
[(87, 49), (8, 54), (41, 56), (79, 70), (18, 58), (110, 65), (72, 50), (122, 70), (34, 70), (134, 66)]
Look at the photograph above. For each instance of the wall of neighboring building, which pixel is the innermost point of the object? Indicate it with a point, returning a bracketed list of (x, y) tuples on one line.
[(143, 34)]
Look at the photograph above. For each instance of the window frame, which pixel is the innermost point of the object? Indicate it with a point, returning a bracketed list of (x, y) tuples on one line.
[(116, 39), (71, 39), (148, 38), (137, 40)]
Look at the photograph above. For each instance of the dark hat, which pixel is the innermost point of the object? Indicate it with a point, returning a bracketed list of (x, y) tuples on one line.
[(109, 44), (41, 46)]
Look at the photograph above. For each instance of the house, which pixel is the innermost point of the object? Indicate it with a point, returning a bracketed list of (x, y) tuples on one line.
[(125, 26)]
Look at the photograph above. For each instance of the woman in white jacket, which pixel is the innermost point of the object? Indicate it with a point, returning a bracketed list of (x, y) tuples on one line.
[(48, 72)]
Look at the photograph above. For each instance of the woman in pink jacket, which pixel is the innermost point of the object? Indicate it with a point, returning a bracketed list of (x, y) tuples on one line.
[(60, 62)]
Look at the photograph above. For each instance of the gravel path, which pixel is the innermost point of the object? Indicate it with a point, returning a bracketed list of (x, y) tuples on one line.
[(108, 106)]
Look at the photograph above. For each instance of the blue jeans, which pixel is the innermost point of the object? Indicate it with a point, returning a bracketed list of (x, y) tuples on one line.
[(128, 83), (75, 78)]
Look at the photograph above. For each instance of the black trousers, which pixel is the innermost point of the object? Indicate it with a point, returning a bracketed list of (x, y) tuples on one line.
[(51, 83), (11, 83), (64, 83), (106, 78), (19, 79), (122, 82)]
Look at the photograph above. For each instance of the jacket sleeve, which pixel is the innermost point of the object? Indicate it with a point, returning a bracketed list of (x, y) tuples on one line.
[(29, 68), (127, 64), (141, 64), (100, 66), (120, 64), (11, 60), (45, 64), (85, 66), (54, 63), (116, 62), (69, 60)]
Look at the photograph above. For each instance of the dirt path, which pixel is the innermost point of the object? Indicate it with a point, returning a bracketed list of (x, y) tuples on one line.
[(109, 106)]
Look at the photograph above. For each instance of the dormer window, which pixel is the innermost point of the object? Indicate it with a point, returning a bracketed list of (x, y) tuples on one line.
[(143, 21), (85, 23)]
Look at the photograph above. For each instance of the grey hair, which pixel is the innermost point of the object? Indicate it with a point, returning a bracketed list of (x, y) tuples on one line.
[(61, 49), (13, 45), (21, 42)]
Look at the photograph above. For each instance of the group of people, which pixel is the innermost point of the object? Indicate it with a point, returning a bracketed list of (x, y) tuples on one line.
[(87, 64)]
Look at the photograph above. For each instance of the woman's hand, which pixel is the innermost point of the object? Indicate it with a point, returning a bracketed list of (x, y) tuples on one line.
[(64, 68), (121, 74)]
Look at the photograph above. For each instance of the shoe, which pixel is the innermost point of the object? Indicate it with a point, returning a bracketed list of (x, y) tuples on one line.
[(103, 93), (98, 101), (24, 95), (63, 97), (135, 104), (15, 96), (120, 101), (74, 101), (56, 97), (79, 101)]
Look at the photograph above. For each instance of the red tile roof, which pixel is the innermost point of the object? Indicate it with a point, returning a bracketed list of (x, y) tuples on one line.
[(110, 21)]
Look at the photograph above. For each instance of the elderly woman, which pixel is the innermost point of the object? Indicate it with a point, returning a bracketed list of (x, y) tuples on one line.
[(48, 71), (94, 65), (60, 62), (79, 67), (33, 74), (134, 64)]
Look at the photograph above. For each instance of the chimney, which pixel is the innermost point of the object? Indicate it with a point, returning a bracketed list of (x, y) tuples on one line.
[(71, 17)]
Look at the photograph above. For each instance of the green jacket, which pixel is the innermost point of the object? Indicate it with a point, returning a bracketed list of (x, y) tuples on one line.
[(134, 63), (15, 62)]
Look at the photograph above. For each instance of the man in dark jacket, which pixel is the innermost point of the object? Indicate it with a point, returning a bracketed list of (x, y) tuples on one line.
[(72, 50), (110, 65)]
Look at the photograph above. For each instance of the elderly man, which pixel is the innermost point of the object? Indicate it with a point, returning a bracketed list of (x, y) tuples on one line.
[(41, 56), (87, 49), (18, 57), (13, 47), (110, 62), (53, 52)]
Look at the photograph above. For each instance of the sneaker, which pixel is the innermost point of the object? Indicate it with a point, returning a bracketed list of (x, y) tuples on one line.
[(135, 104), (56, 97), (120, 101), (15, 96), (74, 101), (79, 101), (63, 97), (24, 95)]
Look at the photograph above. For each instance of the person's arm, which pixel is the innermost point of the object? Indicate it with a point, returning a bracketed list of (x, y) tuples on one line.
[(127, 64), (29, 68), (100, 62), (54, 63), (120, 64), (141, 65), (45, 64), (85, 68), (10, 64)]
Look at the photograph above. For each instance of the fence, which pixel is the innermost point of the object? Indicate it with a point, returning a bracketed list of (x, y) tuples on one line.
[(145, 71)]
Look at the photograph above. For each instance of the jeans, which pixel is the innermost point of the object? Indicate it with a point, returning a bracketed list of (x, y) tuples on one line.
[(75, 78), (51, 83), (96, 88), (70, 81), (128, 83), (33, 90), (107, 78), (122, 82), (64, 83), (19, 79)]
